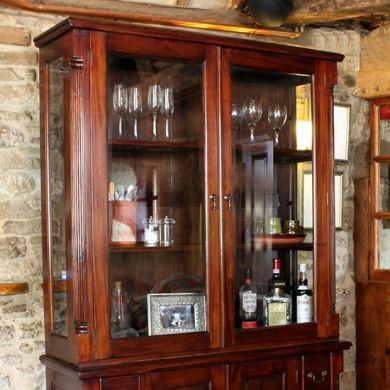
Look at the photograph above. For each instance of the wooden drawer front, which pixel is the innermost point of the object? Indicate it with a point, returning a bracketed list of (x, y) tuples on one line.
[(268, 375), (317, 372), (123, 383), (199, 378)]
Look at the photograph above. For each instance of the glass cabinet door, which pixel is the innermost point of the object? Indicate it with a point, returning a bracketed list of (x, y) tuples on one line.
[(156, 187), (56, 198), (272, 197), (380, 183)]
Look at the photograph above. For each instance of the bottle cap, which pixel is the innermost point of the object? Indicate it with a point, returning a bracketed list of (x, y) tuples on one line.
[(118, 284), (248, 273), (302, 267)]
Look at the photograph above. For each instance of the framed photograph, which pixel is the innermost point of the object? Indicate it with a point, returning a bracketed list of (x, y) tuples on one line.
[(341, 124), (176, 313), (305, 199)]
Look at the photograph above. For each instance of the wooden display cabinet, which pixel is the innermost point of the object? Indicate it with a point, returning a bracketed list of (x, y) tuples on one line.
[(155, 197)]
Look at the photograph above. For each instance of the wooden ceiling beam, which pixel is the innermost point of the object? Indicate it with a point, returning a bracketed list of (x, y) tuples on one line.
[(217, 20)]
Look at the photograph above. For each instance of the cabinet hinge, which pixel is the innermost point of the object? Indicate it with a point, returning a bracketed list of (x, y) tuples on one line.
[(76, 62), (81, 327)]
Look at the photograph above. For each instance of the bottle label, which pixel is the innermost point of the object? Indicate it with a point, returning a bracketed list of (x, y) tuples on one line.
[(304, 308), (277, 314), (249, 324), (249, 302)]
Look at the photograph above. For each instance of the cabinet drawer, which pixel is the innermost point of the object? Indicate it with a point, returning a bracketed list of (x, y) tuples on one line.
[(134, 382), (265, 375), (317, 372)]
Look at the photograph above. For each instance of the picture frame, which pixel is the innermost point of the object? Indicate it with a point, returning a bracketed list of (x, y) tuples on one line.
[(172, 313), (341, 126), (305, 199)]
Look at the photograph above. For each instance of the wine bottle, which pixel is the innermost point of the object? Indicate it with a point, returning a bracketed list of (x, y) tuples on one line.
[(248, 301), (276, 280), (303, 297)]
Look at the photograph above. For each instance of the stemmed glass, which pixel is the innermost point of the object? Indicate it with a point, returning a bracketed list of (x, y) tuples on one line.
[(252, 112), (167, 107), (135, 107), (120, 103), (154, 103), (236, 115), (277, 116)]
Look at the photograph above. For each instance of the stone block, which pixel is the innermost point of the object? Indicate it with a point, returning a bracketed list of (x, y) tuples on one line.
[(10, 137), (18, 94), (31, 330), (15, 36), (15, 309), (22, 227), (7, 333), (16, 58), (12, 247)]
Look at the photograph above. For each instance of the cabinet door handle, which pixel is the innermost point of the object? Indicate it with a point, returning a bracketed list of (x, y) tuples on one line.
[(228, 199), (213, 199), (312, 377)]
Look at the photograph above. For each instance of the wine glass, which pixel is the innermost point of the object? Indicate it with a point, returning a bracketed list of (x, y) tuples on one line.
[(236, 115), (154, 103), (167, 107), (120, 103), (135, 107), (277, 116), (252, 113)]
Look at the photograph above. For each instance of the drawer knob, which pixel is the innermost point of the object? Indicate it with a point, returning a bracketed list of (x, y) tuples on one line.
[(313, 377)]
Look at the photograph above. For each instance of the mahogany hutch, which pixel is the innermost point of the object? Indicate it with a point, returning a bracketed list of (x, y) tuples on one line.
[(161, 179)]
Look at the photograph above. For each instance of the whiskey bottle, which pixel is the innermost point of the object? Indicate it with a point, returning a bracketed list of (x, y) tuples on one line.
[(277, 308), (248, 301), (303, 297), (276, 280)]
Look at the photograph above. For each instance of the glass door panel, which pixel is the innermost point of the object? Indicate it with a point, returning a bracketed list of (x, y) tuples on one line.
[(156, 196), (381, 167), (273, 188), (56, 182)]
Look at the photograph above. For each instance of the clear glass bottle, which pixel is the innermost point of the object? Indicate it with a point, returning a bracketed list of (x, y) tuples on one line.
[(120, 314), (165, 231), (277, 308), (304, 297), (276, 280), (248, 301), (151, 232)]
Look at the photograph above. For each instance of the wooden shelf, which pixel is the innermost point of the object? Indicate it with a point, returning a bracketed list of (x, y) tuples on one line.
[(140, 247), (156, 146), (13, 288), (287, 155)]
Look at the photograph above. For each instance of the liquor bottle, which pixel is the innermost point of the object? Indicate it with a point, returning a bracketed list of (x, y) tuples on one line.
[(276, 281), (120, 315), (248, 301), (277, 308), (303, 297)]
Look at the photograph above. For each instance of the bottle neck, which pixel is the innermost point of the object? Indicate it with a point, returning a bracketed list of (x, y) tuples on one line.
[(302, 279), (276, 268)]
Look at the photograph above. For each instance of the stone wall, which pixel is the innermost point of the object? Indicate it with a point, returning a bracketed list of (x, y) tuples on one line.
[(21, 316)]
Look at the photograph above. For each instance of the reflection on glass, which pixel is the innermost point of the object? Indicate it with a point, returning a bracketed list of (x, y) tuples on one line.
[(384, 187), (57, 197), (384, 244), (157, 236)]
